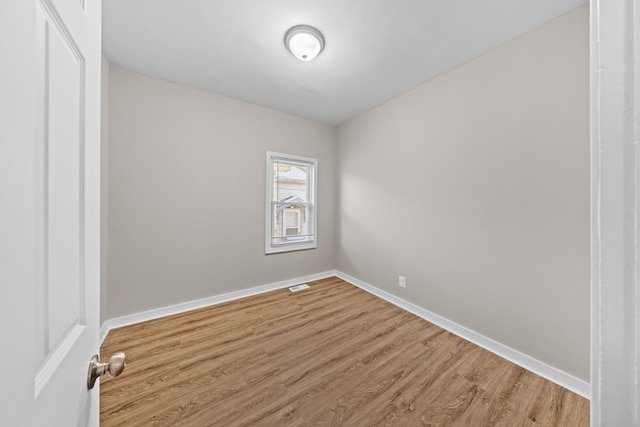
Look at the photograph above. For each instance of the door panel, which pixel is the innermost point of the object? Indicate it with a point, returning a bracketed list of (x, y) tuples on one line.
[(62, 186)]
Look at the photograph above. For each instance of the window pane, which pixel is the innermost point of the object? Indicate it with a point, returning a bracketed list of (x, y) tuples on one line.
[(291, 182), (291, 223)]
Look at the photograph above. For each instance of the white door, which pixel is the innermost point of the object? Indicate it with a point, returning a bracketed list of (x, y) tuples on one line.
[(49, 210)]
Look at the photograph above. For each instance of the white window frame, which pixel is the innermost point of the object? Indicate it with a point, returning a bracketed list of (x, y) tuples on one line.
[(293, 245)]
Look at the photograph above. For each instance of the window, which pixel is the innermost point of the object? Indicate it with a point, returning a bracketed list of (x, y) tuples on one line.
[(291, 203)]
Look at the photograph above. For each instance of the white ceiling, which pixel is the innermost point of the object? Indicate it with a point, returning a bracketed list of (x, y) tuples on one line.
[(375, 49)]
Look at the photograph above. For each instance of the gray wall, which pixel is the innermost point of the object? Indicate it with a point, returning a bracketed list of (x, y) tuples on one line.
[(475, 186), (187, 194)]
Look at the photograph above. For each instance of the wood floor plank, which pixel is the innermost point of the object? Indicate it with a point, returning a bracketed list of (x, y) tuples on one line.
[(329, 355)]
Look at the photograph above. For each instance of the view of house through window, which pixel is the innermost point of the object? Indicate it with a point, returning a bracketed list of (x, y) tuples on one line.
[(291, 209)]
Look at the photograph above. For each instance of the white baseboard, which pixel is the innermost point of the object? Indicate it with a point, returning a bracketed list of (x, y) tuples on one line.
[(557, 376), (156, 313)]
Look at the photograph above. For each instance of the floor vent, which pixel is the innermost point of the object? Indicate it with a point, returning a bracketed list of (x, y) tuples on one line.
[(297, 288)]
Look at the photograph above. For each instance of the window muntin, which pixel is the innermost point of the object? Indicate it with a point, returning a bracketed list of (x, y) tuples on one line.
[(291, 203)]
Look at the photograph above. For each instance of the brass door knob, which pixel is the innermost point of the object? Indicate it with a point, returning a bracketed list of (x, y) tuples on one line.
[(113, 367)]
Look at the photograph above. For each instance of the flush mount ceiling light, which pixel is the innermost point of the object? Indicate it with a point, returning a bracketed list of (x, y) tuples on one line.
[(304, 42)]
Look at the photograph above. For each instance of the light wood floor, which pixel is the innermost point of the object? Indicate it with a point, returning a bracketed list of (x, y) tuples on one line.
[(331, 355)]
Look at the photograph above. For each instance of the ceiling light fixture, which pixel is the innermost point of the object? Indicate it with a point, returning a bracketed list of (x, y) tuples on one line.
[(304, 42)]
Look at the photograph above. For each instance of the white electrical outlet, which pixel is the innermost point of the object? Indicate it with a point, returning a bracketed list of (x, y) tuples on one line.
[(402, 281)]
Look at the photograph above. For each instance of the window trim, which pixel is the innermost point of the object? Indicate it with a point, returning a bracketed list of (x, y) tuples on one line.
[(290, 246)]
